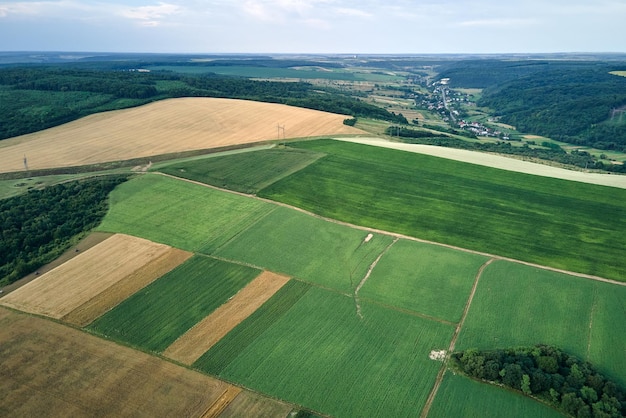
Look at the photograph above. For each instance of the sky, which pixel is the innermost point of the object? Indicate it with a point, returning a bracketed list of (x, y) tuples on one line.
[(314, 26)]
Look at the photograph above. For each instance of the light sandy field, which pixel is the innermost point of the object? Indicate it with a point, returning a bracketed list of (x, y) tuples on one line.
[(195, 342), (49, 369), (67, 287), (497, 161), (164, 127), (121, 290)]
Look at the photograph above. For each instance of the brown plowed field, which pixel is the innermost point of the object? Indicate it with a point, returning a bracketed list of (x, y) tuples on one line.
[(164, 127), (104, 301), (49, 369), (67, 287), (195, 342)]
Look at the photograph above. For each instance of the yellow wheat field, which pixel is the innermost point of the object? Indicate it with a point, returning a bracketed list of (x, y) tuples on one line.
[(164, 127), (67, 287), (195, 342)]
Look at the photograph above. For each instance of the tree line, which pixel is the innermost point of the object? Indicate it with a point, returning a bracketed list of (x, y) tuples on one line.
[(549, 374), (38, 226)]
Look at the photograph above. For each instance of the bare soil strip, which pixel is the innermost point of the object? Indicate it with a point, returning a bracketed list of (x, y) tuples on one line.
[(442, 370), (498, 161), (195, 342), (65, 288), (118, 292), (222, 402), (164, 127)]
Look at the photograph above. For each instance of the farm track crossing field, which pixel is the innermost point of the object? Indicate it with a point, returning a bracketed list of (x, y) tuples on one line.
[(489, 210), (308, 248), (319, 353), (199, 339), (424, 278), (519, 305), (164, 127), (460, 396), (157, 315), (244, 172), (67, 287), (49, 369)]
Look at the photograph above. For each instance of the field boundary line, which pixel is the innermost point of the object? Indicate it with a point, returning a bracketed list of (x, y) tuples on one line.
[(367, 275), (407, 237), (442, 370), (593, 309), (409, 312), (231, 239)]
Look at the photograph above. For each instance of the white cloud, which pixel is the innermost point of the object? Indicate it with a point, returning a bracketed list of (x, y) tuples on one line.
[(152, 15), (350, 12), (497, 23)]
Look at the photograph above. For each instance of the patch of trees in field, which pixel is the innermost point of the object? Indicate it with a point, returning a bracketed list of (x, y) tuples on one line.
[(547, 373), (35, 98), (37, 227), (548, 151)]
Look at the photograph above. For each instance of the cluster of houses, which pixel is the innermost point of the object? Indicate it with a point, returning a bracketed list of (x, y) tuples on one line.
[(481, 130)]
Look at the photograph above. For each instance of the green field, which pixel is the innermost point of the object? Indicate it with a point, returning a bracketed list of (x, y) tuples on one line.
[(308, 345), (321, 355), (308, 248), (244, 172), (157, 315), (180, 214), (428, 279), (258, 72), (519, 305), (552, 222), (459, 396)]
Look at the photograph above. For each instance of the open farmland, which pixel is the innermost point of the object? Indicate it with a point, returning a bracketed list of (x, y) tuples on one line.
[(164, 127), (49, 369), (76, 282), (247, 172), (317, 352), (434, 281), (156, 316), (199, 339), (181, 214), (558, 223), (521, 305), (309, 248), (460, 396)]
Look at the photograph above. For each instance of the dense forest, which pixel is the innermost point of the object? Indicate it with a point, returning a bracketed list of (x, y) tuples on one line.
[(547, 373), (37, 227), (570, 101), (35, 98)]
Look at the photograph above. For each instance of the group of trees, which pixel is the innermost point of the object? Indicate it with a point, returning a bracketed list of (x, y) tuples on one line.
[(38, 226), (569, 384), (570, 101)]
